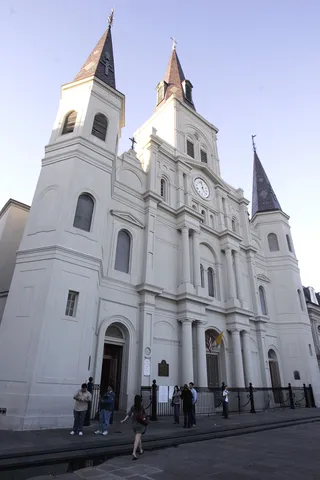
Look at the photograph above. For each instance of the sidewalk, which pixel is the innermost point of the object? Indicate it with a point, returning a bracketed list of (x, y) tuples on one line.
[(19, 449)]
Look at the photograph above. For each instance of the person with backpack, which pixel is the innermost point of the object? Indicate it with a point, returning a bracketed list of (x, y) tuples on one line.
[(139, 424)]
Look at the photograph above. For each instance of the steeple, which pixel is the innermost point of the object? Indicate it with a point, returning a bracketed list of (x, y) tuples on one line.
[(174, 82), (263, 197), (100, 62)]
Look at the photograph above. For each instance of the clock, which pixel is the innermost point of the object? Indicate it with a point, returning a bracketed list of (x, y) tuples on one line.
[(147, 351), (201, 187)]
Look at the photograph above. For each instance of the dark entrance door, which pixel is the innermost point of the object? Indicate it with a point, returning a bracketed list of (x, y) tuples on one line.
[(275, 381), (111, 370), (213, 371)]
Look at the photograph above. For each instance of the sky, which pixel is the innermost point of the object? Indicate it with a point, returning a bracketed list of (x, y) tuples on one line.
[(254, 66)]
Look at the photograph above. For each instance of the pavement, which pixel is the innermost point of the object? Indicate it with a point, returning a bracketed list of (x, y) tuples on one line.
[(290, 453), (19, 450)]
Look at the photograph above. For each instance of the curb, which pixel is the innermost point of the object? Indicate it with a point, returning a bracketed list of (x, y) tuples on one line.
[(8, 462)]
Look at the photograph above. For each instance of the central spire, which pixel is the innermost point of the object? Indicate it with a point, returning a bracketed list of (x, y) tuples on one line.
[(174, 81), (100, 62), (263, 197)]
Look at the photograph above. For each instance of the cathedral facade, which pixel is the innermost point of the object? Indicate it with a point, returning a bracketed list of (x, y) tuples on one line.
[(131, 266)]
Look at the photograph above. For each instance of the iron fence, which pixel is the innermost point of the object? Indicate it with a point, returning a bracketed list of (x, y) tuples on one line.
[(241, 400)]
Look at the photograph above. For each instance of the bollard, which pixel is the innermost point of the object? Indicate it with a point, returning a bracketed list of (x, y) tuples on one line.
[(154, 401), (251, 398), (291, 397), (306, 395)]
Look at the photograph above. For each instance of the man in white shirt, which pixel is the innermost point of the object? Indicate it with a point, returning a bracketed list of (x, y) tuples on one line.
[(225, 395), (82, 398), (194, 401)]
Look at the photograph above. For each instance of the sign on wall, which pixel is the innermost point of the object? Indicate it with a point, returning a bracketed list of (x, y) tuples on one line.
[(163, 369)]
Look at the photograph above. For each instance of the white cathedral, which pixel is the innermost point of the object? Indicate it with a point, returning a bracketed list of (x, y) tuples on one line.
[(130, 266)]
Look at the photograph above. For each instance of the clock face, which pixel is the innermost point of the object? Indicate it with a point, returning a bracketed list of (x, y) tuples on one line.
[(201, 187)]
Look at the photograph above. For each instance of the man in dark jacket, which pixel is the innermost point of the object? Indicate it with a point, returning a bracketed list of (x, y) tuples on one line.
[(107, 406), (186, 397)]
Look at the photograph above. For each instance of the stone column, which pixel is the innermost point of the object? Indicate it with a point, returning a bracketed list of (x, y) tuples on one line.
[(247, 358), (238, 275), (237, 358), (202, 379), (264, 364), (231, 279), (187, 351), (196, 259), (185, 256)]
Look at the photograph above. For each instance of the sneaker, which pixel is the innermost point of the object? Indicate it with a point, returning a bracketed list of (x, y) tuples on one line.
[(98, 432), (105, 433), (80, 433), (72, 433)]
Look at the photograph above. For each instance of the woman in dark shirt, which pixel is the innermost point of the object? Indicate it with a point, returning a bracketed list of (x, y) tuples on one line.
[(138, 413), (186, 397)]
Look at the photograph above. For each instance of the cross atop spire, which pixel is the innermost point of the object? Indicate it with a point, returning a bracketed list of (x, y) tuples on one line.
[(100, 62), (263, 197), (174, 43)]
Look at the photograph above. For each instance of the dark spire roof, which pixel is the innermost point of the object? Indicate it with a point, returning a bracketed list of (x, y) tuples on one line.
[(263, 197), (100, 62), (174, 77)]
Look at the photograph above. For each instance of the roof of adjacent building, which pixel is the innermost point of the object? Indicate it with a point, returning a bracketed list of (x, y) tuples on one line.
[(263, 197), (100, 62), (308, 295), (174, 78), (12, 202)]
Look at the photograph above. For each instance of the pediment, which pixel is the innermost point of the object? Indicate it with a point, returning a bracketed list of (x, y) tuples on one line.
[(207, 171), (127, 217), (263, 278)]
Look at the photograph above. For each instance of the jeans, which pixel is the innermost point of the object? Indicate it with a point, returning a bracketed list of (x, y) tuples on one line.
[(225, 409), (194, 414), (104, 420), (188, 419), (78, 421), (176, 412), (88, 415)]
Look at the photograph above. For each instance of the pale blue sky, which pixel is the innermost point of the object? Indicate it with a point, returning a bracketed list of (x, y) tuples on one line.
[(254, 66)]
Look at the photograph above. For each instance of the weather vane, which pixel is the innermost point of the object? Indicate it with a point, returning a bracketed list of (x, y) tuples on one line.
[(174, 43), (253, 143), (111, 17)]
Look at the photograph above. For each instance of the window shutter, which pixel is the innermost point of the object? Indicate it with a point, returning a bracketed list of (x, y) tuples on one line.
[(204, 158), (190, 149), (99, 127)]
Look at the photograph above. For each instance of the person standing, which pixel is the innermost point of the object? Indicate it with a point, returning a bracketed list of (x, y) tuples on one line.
[(186, 396), (88, 414), (194, 401), (176, 405), (107, 406), (225, 396), (82, 398), (139, 424)]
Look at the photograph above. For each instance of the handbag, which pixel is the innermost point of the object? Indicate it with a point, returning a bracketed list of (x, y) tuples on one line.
[(142, 418)]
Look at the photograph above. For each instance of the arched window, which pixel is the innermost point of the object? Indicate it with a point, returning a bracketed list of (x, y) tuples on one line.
[(289, 243), (100, 125), (69, 122), (122, 263), (210, 282), (263, 303), (300, 298), (84, 212), (233, 225), (163, 189), (203, 156), (202, 275), (273, 242)]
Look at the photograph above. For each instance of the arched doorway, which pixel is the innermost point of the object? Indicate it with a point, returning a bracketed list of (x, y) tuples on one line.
[(114, 355), (213, 359), (275, 375)]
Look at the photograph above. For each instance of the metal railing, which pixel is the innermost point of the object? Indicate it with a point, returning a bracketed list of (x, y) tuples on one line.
[(241, 400)]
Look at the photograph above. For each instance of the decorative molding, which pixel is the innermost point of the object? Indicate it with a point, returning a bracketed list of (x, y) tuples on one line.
[(263, 278), (127, 217)]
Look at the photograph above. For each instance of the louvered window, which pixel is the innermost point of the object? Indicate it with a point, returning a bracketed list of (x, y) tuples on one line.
[(190, 149), (210, 282), (204, 158), (99, 127), (69, 122), (188, 92)]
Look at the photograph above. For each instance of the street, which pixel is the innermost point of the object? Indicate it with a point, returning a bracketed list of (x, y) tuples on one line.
[(286, 453)]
